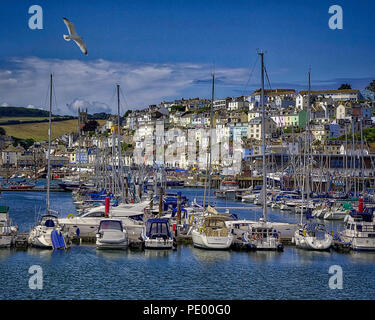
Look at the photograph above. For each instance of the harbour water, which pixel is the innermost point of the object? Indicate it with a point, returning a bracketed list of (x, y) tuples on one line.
[(82, 272)]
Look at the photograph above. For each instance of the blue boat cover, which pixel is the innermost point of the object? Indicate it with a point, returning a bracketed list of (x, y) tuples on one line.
[(57, 240)]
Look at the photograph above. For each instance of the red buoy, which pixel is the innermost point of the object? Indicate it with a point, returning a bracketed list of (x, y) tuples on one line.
[(106, 207), (360, 205)]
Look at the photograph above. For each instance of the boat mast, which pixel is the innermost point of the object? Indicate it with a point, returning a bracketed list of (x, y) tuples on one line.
[(49, 147), (263, 139), (308, 142), (210, 138), (209, 146), (121, 177), (78, 157)]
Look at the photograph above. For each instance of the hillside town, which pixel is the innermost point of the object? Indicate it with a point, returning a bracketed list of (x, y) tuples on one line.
[(185, 123)]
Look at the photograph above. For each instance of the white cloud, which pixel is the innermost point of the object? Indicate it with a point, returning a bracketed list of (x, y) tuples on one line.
[(91, 84)]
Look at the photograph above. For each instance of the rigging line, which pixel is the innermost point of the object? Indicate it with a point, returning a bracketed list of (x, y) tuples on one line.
[(268, 80), (250, 75), (122, 94), (46, 97)]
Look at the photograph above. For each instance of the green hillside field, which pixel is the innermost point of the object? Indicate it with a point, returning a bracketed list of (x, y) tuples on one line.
[(39, 131)]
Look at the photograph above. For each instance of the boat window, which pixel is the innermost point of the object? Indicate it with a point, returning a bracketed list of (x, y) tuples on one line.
[(359, 228), (98, 214), (49, 223), (159, 228), (213, 223), (348, 226), (352, 227), (115, 225)]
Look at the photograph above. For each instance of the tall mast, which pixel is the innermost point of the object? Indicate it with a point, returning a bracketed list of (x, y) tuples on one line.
[(208, 166), (78, 158), (346, 159), (210, 138), (263, 139), (308, 140), (362, 160), (121, 177), (49, 147)]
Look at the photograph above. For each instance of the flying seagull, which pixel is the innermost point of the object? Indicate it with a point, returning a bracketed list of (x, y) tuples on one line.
[(74, 36)]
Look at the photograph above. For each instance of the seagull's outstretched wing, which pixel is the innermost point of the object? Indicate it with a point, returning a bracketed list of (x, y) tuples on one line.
[(81, 45), (70, 26)]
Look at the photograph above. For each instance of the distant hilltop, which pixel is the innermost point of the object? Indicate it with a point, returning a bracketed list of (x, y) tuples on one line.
[(22, 112)]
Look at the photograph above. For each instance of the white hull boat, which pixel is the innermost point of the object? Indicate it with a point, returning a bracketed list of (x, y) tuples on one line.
[(360, 230), (313, 237), (111, 235), (212, 233), (156, 235)]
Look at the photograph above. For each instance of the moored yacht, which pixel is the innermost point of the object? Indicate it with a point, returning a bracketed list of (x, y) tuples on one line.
[(7, 231), (313, 236), (111, 235), (359, 229), (212, 233), (157, 235), (48, 234)]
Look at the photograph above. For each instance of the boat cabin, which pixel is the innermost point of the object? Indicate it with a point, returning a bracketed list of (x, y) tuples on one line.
[(110, 225), (158, 228), (214, 226)]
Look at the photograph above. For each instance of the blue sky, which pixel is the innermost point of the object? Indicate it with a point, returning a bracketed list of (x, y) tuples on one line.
[(162, 50)]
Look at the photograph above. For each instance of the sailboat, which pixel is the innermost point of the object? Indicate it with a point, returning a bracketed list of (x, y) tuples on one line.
[(262, 234), (211, 231), (48, 233), (310, 236)]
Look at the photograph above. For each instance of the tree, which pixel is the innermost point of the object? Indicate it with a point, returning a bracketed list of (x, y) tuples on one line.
[(345, 86), (371, 86), (2, 131), (90, 126), (127, 113)]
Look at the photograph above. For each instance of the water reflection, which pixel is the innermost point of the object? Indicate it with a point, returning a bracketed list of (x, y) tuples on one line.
[(111, 254), (5, 253), (209, 256), (44, 254), (361, 256), (311, 256), (149, 253), (264, 255)]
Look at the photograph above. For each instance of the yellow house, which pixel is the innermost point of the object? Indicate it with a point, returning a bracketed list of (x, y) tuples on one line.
[(114, 129)]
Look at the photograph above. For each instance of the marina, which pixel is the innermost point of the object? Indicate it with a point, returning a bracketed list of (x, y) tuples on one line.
[(72, 273), (177, 156)]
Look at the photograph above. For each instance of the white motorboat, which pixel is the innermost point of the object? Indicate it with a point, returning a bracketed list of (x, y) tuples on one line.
[(359, 230), (111, 235), (7, 231), (86, 224), (156, 234), (313, 236), (212, 233), (254, 235)]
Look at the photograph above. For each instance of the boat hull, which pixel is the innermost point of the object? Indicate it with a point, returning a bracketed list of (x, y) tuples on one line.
[(159, 244), (200, 240)]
